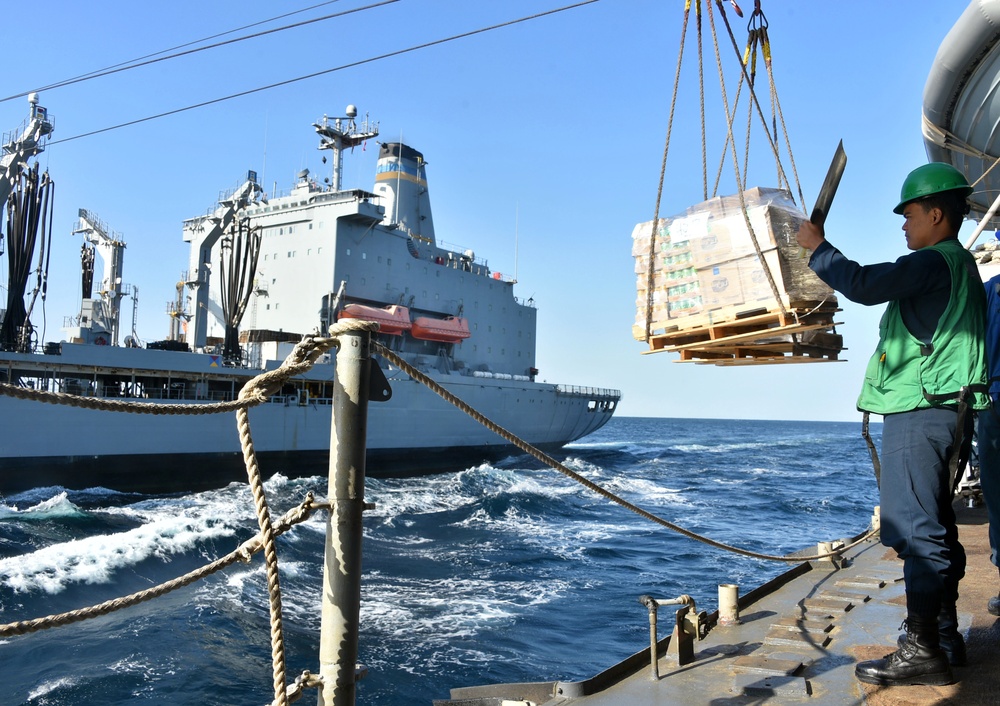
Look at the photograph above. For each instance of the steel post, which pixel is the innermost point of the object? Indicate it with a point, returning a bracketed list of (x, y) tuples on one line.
[(338, 646)]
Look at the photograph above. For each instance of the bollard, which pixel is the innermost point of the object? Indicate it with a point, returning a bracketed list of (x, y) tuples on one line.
[(729, 604), (338, 645)]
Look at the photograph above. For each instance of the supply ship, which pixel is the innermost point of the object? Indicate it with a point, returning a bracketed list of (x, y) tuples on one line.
[(263, 273)]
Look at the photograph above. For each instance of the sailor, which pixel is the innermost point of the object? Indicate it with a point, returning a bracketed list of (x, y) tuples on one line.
[(927, 372), (989, 429)]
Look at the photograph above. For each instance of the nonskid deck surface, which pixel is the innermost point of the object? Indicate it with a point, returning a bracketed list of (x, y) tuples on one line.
[(800, 643)]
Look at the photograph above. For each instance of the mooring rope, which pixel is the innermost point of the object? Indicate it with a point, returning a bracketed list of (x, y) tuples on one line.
[(549, 461), (105, 404), (300, 360)]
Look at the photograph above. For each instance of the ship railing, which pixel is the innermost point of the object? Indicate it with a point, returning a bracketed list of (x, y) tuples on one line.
[(605, 393)]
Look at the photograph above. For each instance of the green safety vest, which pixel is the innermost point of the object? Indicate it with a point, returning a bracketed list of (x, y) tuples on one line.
[(903, 372)]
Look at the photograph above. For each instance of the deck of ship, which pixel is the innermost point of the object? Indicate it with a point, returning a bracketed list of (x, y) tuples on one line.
[(798, 643)]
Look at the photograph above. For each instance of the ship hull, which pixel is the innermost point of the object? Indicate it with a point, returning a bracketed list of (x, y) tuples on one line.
[(414, 432)]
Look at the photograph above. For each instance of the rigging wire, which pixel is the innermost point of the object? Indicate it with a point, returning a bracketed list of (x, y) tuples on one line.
[(130, 65), (135, 63), (324, 72), (210, 46)]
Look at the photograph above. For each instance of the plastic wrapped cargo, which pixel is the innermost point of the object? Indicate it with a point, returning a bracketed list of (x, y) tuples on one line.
[(705, 267)]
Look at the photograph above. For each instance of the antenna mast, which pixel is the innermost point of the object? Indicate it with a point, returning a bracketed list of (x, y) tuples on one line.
[(342, 134)]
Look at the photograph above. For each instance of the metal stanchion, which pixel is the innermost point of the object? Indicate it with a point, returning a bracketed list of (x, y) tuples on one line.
[(338, 646)]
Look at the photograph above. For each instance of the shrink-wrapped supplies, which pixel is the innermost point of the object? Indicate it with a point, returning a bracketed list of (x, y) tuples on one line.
[(705, 267)]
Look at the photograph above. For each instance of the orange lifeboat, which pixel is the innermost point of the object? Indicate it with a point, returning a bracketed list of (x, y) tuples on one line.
[(393, 319), (447, 330)]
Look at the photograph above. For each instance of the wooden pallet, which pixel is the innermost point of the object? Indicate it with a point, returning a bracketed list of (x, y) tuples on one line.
[(762, 355), (795, 335)]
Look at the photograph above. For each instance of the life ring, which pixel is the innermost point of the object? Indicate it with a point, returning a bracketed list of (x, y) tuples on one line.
[(100, 341)]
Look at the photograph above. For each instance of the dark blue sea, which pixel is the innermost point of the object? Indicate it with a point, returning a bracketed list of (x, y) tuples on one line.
[(495, 573)]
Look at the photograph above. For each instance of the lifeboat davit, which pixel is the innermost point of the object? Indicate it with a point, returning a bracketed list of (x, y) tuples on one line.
[(393, 320), (447, 330)]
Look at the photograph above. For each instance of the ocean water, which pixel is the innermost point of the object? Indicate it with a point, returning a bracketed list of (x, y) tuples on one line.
[(495, 573)]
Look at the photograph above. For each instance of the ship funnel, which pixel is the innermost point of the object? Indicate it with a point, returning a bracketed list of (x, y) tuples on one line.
[(401, 181)]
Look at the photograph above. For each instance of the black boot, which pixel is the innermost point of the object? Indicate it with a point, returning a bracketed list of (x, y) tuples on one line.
[(952, 641), (919, 659)]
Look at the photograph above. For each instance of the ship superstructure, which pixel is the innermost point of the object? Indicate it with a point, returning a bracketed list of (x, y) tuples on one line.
[(263, 273)]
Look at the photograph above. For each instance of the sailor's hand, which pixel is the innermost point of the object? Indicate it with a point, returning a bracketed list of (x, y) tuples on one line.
[(810, 236)]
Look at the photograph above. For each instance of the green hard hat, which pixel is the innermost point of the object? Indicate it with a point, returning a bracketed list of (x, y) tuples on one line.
[(930, 179)]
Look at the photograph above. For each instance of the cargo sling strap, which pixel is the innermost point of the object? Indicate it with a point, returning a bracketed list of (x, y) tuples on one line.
[(961, 446), (758, 42)]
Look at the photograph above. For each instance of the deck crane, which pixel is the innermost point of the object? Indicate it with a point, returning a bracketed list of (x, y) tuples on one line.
[(18, 150), (203, 233), (100, 317)]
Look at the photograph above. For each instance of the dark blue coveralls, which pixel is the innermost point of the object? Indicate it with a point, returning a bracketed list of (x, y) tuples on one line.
[(989, 421), (917, 518)]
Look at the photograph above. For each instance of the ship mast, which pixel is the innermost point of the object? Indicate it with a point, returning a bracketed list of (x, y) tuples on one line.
[(342, 134)]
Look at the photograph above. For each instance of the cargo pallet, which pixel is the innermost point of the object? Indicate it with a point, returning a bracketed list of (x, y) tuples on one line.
[(803, 333)]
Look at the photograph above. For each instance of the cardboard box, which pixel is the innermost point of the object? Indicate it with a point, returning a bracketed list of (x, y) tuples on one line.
[(705, 259)]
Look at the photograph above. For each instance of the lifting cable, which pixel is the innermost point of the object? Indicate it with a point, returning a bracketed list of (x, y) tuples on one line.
[(758, 42)]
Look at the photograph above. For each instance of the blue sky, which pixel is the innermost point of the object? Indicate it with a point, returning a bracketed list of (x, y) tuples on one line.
[(542, 138)]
